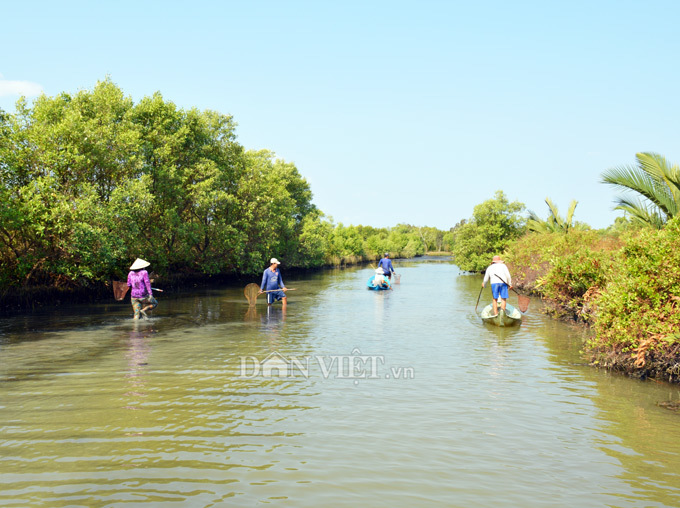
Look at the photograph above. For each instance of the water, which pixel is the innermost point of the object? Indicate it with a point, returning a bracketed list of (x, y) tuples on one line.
[(399, 398)]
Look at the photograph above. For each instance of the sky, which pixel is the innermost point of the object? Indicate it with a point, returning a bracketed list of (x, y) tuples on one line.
[(394, 112)]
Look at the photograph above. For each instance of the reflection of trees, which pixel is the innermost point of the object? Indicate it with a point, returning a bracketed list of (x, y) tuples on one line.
[(633, 429)]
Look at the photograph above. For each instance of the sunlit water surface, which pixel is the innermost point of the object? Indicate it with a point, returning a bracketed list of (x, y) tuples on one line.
[(350, 398)]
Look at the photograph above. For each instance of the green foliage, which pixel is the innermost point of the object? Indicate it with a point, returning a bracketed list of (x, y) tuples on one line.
[(554, 223), (656, 181), (642, 302), (532, 256), (573, 278), (89, 182), (494, 224)]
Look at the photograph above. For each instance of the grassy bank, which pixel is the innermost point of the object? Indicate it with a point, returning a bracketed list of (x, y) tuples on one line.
[(625, 286)]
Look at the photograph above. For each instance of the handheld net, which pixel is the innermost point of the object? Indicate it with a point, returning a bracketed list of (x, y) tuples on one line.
[(397, 278), (251, 292), (120, 289), (522, 302)]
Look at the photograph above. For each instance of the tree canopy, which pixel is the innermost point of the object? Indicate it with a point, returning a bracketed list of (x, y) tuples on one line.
[(494, 224), (90, 181)]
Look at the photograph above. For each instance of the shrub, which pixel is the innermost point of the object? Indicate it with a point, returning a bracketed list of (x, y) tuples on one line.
[(641, 305)]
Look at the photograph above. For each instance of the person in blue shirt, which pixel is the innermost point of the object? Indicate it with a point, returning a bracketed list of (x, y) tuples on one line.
[(272, 281), (386, 264)]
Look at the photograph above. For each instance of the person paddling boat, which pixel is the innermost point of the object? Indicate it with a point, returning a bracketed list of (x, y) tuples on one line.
[(499, 275)]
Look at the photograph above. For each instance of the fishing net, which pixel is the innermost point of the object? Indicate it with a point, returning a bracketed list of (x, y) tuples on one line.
[(120, 289), (397, 278), (251, 292), (523, 302)]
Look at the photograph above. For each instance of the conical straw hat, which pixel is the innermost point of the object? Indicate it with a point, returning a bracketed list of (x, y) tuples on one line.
[(139, 263)]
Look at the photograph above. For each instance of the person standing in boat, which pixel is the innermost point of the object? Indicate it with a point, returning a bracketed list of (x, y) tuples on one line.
[(386, 264), (272, 281), (499, 275), (141, 295)]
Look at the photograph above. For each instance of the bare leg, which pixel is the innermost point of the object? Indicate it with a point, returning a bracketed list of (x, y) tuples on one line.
[(503, 302), (495, 307), (284, 302)]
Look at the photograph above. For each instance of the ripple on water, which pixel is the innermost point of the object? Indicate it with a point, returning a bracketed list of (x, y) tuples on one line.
[(113, 413)]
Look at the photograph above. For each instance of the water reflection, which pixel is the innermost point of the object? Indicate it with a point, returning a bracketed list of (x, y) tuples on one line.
[(118, 413), (137, 355), (634, 429)]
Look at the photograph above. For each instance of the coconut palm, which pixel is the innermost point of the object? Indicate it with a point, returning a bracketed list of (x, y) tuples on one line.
[(554, 223), (656, 180)]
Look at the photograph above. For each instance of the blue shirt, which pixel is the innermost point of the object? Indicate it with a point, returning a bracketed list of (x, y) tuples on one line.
[(271, 280), (386, 264)]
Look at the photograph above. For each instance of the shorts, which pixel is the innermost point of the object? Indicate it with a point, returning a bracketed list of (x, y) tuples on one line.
[(138, 302), (499, 289), (275, 296)]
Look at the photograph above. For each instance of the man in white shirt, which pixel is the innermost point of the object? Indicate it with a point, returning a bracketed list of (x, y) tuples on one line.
[(499, 275)]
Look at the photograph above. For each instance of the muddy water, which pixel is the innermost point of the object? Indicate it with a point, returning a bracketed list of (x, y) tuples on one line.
[(349, 398)]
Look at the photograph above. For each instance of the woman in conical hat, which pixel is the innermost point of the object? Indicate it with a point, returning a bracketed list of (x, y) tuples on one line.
[(141, 295), (379, 277)]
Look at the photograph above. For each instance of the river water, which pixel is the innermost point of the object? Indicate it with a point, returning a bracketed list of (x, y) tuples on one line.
[(350, 398)]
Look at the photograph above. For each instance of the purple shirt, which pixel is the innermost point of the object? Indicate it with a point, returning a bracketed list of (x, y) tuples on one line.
[(139, 282)]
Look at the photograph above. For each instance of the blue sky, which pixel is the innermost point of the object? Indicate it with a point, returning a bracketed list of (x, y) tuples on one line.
[(435, 104)]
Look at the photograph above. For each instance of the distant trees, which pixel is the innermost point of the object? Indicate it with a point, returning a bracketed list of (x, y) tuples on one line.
[(657, 182)]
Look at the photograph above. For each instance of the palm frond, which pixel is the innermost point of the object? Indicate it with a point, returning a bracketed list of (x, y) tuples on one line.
[(640, 211), (554, 213), (570, 214), (667, 175), (642, 182)]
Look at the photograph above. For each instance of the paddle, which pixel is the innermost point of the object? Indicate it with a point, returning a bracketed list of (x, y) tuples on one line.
[(522, 300), (480, 295)]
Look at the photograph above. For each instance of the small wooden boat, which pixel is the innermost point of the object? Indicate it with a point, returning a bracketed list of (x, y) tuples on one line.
[(510, 317), (378, 288)]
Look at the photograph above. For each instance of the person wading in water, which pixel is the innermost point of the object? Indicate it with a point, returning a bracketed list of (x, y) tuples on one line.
[(141, 295), (272, 281)]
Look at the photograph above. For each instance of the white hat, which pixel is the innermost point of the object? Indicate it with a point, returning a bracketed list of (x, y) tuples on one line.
[(274, 261), (139, 263), (379, 270)]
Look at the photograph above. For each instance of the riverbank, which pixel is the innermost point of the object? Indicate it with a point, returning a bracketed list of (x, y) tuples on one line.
[(624, 287)]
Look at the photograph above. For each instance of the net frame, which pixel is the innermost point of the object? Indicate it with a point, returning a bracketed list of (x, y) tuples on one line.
[(523, 302), (120, 289), (251, 291)]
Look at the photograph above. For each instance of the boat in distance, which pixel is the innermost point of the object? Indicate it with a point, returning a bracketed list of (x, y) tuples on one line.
[(383, 287)]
